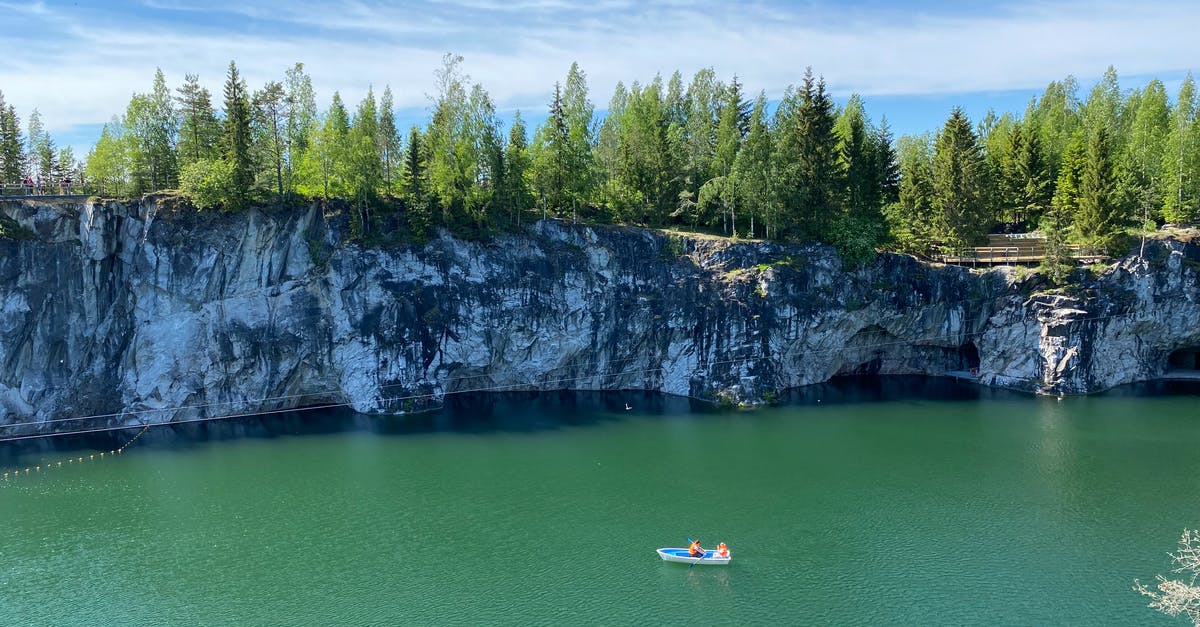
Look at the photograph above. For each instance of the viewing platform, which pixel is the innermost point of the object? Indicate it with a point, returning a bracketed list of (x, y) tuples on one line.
[(1016, 248)]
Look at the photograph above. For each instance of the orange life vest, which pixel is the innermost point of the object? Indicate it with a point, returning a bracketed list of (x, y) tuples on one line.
[(722, 550), (694, 549)]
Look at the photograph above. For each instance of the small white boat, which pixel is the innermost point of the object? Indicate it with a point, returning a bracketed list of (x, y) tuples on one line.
[(682, 555)]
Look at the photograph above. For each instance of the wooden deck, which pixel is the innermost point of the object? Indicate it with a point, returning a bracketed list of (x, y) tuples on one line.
[(1023, 248)]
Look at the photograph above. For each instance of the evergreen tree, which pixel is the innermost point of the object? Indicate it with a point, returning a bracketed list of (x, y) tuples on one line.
[(911, 218), (1100, 216), (40, 150), (551, 167), (270, 119), (236, 139), (752, 172), (389, 140), (1056, 226), (581, 137), (199, 129), (959, 184), (1030, 174), (704, 100), (1070, 177), (860, 191), (415, 198), (808, 167), (517, 196), (859, 227), (887, 164), (12, 154)]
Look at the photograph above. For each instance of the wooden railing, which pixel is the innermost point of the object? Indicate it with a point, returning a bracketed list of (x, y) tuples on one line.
[(1018, 250), (22, 190)]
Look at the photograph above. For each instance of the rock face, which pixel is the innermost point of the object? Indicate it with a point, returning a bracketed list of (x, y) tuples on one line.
[(133, 313)]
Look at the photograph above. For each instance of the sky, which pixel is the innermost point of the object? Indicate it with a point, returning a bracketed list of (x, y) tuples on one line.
[(78, 62)]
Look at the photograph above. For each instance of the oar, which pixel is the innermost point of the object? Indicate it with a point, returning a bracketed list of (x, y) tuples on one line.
[(702, 554)]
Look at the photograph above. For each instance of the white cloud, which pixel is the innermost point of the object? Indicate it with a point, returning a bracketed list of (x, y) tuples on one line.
[(79, 66)]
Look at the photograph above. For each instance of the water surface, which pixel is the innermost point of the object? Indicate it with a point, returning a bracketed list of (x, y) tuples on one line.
[(905, 500)]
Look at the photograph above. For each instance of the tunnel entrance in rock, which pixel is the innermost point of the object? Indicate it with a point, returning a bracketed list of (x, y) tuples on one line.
[(968, 356), (1184, 359)]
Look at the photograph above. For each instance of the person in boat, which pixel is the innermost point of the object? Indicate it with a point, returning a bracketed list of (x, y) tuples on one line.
[(722, 550), (695, 550)]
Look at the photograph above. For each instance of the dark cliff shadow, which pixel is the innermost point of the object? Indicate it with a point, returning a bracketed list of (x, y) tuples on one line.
[(530, 412)]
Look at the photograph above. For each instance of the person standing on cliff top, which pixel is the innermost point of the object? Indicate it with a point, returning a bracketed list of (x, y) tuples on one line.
[(39, 185)]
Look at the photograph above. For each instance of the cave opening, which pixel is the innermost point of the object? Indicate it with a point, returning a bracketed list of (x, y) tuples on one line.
[(968, 356), (1184, 359)]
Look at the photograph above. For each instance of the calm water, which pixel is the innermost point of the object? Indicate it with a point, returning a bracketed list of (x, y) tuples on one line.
[(909, 501)]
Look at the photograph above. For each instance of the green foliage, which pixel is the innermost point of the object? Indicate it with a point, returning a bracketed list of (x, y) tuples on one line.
[(1181, 159), (1100, 216), (151, 125), (388, 141), (269, 126), (808, 172), (236, 140), (910, 218), (199, 130), (108, 162), (960, 199), (208, 183)]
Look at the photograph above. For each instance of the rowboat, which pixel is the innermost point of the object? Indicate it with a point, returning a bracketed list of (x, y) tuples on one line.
[(682, 555)]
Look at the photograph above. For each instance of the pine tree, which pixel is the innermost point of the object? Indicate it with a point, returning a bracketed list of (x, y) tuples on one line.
[(1030, 175), (199, 129), (959, 184), (581, 137), (887, 165), (809, 171), (270, 119), (389, 140), (752, 171), (551, 150), (704, 103), (12, 155), (1100, 216), (518, 196), (236, 139), (42, 152), (415, 198), (911, 218)]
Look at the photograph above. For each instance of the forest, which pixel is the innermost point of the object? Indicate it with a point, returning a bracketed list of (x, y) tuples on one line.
[(701, 156)]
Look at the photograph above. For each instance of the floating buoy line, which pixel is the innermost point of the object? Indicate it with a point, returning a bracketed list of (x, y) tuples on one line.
[(70, 461)]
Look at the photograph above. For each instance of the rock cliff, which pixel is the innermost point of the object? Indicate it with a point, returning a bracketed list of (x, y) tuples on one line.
[(145, 312)]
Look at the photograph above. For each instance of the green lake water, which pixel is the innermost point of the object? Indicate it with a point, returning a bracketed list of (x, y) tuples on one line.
[(907, 500)]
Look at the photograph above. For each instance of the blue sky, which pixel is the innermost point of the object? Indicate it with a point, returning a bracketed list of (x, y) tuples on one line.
[(78, 62)]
